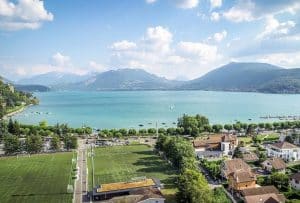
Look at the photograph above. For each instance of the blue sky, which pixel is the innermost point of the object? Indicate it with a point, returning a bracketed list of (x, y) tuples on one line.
[(180, 39)]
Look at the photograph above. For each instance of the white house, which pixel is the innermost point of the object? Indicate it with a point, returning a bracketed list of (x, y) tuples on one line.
[(284, 150), (295, 181)]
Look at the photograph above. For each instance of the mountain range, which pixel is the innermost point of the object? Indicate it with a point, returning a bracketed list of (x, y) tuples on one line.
[(26, 88), (245, 77)]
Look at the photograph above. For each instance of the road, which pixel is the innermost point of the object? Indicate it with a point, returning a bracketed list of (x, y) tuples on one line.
[(80, 194)]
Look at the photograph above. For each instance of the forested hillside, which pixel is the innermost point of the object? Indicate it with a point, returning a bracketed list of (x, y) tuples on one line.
[(12, 100)]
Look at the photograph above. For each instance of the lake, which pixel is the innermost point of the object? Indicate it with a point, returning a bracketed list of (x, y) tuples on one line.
[(128, 109)]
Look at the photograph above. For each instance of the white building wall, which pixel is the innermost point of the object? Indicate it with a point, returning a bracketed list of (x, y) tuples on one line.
[(295, 185), (286, 154), (153, 200)]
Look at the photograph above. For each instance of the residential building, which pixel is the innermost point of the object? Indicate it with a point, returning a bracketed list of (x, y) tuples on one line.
[(225, 143), (139, 191), (284, 150), (295, 181), (250, 157), (264, 194), (238, 173), (274, 164)]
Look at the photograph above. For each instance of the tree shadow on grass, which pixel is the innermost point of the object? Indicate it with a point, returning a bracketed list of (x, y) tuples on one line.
[(40, 194), (146, 152)]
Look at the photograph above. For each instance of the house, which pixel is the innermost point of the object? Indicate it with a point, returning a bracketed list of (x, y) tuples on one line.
[(209, 154), (284, 150), (250, 157), (151, 195), (274, 164), (264, 194), (137, 191), (295, 181), (238, 173), (225, 143)]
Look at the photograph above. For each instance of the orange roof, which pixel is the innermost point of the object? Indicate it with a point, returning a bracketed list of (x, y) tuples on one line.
[(231, 166), (284, 145), (125, 185), (213, 139)]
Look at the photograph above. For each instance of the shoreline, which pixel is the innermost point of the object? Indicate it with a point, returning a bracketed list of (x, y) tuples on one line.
[(9, 115)]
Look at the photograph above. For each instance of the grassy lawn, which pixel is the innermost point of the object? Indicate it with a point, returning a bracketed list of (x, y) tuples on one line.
[(121, 163), (246, 140), (39, 178), (273, 136)]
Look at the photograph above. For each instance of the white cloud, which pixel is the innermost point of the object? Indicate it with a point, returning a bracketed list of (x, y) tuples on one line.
[(215, 3), (203, 52), (158, 39), (157, 53), (94, 66), (215, 16), (281, 59), (219, 36), (60, 60), (123, 45), (150, 1), (275, 28), (25, 14), (249, 10), (186, 4), (240, 12)]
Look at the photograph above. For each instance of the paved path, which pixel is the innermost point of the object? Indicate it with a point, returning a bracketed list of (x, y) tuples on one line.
[(80, 194)]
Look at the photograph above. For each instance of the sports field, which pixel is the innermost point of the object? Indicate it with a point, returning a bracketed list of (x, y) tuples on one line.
[(35, 179), (121, 163)]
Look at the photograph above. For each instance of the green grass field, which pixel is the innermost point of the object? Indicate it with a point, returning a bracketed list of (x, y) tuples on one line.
[(273, 136), (121, 163), (39, 178)]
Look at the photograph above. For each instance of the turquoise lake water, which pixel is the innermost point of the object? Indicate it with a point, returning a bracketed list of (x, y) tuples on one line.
[(116, 109)]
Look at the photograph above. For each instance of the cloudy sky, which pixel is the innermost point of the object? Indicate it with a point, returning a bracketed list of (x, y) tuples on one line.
[(180, 39)]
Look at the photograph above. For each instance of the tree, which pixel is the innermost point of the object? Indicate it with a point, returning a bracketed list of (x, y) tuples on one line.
[(171, 131), (11, 144), (228, 127), (131, 132), (237, 153), (237, 127), (279, 180), (289, 139), (151, 131), (217, 128), (162, 131), (193, 188), (142, 132), (3, 129), (269, 126), (33, 144), (261, 125), (43, 124), (10, 126), (70, 142), (55, 143), (219, 196)]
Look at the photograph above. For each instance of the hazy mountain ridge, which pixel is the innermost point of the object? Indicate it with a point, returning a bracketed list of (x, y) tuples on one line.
[(244, 77), (26, 88), (54, 79), (249, 77), (125, 79)]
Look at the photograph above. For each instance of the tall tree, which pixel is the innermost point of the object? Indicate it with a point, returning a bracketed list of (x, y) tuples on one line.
[(55, 142), (193, 188), (11, 144), (34, 144)]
